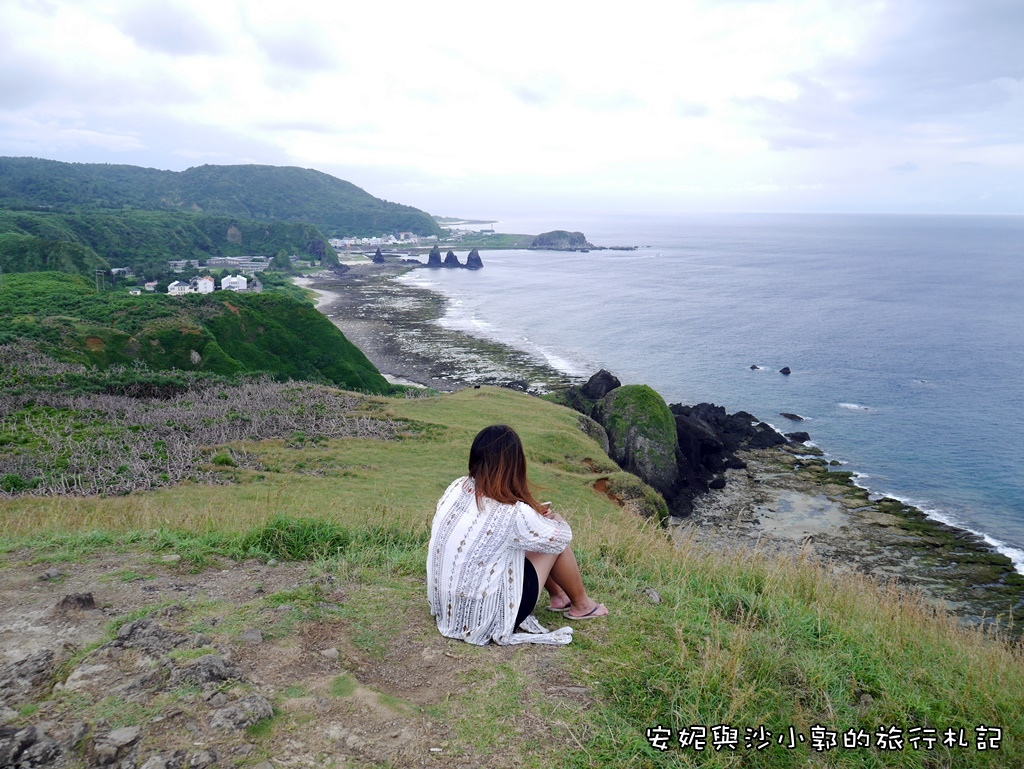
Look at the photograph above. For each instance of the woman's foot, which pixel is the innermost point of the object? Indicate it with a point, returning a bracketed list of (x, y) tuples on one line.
[(596, 610), (559, 603)]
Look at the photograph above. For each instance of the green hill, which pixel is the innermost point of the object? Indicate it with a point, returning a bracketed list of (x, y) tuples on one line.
[(268, 193), (224, 333), (144, 240)]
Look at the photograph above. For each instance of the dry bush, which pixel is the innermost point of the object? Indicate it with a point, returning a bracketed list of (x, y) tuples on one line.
[(51, 443)]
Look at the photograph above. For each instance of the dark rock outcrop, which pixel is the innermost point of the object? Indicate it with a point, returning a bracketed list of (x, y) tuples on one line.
[(473, 261), (600, 385), (785, 370), (378, 257), (561, 240), (682, 453), (765, 436), (434, 258), (451, 260), (791, 416), (26, 747)]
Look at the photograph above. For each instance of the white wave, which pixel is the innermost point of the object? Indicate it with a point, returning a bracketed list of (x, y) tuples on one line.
[(854, 407), (1016, 555)]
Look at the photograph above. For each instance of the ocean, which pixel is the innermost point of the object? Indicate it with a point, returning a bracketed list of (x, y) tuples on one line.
[(904, 335)]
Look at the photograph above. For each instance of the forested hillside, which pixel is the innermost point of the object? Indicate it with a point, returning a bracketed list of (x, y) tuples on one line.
[(144, 240), (270, 193), (65, 318)]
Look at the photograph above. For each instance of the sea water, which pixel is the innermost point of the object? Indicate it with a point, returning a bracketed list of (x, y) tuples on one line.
[(904, 335)]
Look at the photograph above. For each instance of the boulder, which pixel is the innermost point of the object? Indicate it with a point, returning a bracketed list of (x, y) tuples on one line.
[(210, 669), (798, 437), (765, 436), (451, 260), (26, 747), (641, 434), (600, 385), (792, 417), (148, 635), (434, 258), (246, 712), (785, 370), (473, 261)]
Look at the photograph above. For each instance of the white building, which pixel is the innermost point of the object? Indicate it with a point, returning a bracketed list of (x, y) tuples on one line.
[(233, 283), (205, 285), (151, 286), (179, 287)]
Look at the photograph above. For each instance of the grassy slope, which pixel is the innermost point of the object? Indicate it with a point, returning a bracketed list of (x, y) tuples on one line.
[(742, 640), (230, 332)]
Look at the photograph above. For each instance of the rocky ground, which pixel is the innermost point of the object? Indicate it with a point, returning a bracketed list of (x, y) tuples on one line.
[(787, 500), (130, 660)]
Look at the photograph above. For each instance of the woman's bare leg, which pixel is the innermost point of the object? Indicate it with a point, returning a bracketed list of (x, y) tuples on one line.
[(564, 572)]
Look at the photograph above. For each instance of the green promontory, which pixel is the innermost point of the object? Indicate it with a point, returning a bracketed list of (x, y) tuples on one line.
[(641, 433), (223, 333), (561, 240)]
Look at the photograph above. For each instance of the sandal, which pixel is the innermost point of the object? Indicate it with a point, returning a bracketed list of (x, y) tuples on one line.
[(592, 614)]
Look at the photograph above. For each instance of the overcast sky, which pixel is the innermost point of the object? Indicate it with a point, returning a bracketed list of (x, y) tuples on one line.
[(521, 108)]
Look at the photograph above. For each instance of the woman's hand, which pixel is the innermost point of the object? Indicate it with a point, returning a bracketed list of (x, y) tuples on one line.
[(551, 514)]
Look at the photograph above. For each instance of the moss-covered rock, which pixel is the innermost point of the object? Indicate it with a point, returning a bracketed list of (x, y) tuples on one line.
[(641, 434), (636, 496)]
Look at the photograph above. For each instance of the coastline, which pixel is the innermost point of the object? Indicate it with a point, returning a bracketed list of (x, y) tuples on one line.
[(395, 326), (785, 501)]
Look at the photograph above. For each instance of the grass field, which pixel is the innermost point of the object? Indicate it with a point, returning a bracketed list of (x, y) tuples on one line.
[(737, 641)]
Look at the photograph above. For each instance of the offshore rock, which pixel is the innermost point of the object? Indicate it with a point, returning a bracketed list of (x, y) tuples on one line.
[(561, 240), (378, 257), (785, 370), (473, 261), (434, 258), (451, 260)]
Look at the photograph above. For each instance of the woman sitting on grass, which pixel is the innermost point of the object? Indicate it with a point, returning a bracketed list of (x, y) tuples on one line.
[(492, 546)]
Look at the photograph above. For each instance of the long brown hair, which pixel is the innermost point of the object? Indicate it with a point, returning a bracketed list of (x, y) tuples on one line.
[(497, 466)]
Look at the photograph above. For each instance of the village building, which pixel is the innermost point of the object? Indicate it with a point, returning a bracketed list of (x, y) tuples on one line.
[(179, 287), (233, 283), (205, 285)]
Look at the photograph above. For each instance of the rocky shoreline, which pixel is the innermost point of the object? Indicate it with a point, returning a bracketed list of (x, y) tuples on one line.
[(759, 489)]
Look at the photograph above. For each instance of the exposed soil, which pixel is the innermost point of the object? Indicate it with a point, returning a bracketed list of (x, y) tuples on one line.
[(223, 667)]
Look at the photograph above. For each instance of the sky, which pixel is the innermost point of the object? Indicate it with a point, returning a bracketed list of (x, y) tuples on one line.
[(470, 109)]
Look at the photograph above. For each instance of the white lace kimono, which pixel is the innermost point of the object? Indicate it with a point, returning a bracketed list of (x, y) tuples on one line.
[(475, 567)]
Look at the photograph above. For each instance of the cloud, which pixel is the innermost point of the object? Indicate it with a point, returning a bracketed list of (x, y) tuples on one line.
[(692, 109), (302, 50), (905, 168), (170, 28)]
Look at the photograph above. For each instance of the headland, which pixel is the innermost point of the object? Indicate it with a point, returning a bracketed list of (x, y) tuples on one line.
[(784, 498)]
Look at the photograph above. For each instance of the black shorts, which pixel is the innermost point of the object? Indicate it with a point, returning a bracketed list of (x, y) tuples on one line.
[(531, 592)]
